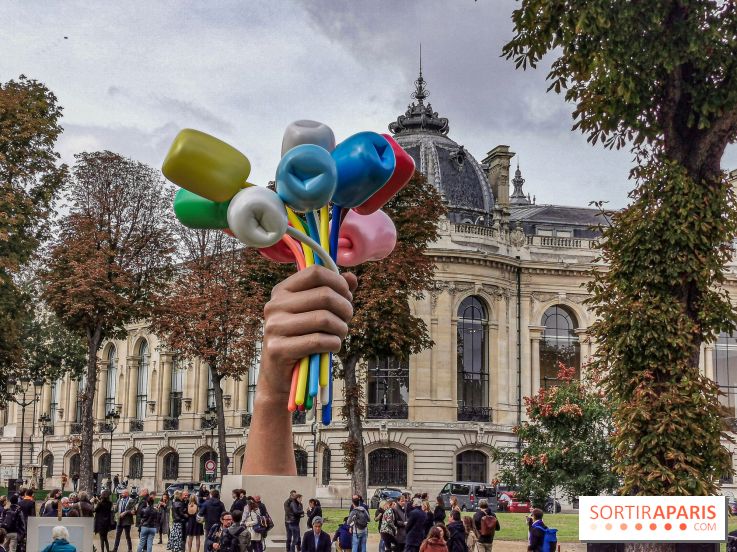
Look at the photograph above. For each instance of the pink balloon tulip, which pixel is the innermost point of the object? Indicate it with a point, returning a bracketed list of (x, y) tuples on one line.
[(365, 238), (278, 252)]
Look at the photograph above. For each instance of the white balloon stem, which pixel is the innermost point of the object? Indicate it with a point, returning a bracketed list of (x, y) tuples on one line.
[(316, 247)]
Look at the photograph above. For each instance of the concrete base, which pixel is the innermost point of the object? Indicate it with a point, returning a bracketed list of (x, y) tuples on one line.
[(274, 491), (80, 532)]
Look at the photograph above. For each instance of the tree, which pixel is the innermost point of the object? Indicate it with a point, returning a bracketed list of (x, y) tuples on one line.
[(659, 76), (111, 254), (565, 443), (29, 181), (382, 324), (212, 310)]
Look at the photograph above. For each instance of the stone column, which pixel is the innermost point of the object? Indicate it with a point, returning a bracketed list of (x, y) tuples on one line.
[(536, 333), (63, 398), (167, 365), (101, 390), (201, 387), (71, 410), (132, 388), (46, 399), (526, 357), (709, 361), (241, 395)]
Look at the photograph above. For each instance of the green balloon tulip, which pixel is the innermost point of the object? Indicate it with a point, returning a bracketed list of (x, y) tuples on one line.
[(194, 211)]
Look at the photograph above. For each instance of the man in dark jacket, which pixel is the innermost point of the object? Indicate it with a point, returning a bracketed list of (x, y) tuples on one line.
[(400, 520), (215, 535), (316, 540), (287, 516), (415, 527), (142, 503), (14, 523), (212, 509), (537, 531), (148, 523), (485, 541), (457, 541), (27, 504), (295, 514)]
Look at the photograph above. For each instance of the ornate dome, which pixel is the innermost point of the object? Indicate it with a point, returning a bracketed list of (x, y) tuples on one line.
[(448, 166)]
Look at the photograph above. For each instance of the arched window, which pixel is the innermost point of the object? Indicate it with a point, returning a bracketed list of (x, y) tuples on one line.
[(725, 369), (209, 455), (559, 344), (103, 466), (177, 389), (471, 466), (112, 380), (142, 383), (135, 466), (81, 384), (49, 465), (387, 466), (472, 360), (326, 466), (300, 457), (74, 463), (171, 466), (388, 388)]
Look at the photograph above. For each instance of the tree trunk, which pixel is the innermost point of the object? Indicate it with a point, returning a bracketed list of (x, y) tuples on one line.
[(88, 414), (222, 445), (352, 412)]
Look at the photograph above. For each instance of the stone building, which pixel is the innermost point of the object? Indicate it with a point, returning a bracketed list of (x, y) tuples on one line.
[(506, 306)]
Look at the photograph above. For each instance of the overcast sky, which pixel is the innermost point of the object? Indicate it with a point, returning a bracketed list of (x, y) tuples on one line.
[(131, 74)]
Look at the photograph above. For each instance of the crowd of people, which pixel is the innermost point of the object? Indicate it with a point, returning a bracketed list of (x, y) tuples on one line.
[(407, 524)]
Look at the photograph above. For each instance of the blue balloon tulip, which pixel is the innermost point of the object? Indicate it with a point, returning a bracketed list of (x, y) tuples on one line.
[(365, 163), (306, 177)]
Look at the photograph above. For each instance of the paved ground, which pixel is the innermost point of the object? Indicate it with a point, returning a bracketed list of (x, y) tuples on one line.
[(373, 546)]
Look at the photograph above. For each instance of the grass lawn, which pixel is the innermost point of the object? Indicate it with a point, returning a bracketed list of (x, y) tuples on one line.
[(514, 526)]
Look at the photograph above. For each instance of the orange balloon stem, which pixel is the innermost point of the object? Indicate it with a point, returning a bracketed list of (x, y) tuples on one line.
[(292, 406), (296, 250)]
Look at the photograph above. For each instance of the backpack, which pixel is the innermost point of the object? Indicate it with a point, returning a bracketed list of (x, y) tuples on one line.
[(10, 519), (266, 519), (261, 527), (487, 526), (240, 539), (551, 540), (360, 518)]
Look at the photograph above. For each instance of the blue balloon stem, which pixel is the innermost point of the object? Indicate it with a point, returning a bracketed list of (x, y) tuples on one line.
[(314, 375), (327, 408), (314, 232), (335, 232)]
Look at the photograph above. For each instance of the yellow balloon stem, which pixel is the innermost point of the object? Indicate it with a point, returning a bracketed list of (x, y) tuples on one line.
[(297, 223), (324, 229), (324, 369), (304, 366)]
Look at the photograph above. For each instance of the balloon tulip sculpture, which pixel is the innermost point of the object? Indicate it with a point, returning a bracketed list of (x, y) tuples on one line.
[(296, 224)]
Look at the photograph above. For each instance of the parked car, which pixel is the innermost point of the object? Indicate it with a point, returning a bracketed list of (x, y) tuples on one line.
[(469, 493), (187, 485), (383, 494), (508, 502)]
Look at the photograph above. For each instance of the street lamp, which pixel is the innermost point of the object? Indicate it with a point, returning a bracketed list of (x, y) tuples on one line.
[(112, 420), (21, 387), (211, 421), (44, 424)]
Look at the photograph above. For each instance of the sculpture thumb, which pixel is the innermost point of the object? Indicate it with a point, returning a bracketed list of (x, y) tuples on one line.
[(403, 171), (257, 217), (205, 165), (308, 132), (197, 212), (306, 177), (365, 162), (365, 238)]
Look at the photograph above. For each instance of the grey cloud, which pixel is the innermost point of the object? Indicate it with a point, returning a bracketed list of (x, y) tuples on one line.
[(190, 111)]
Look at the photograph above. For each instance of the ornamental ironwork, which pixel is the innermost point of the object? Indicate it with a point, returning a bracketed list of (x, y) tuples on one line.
[(208, 423), (136, 426), (171, 424), (387, 411), (420, 117), (75, 428), (46, 430), (245, 420), (474, 413), (299, 417), (387, 467)]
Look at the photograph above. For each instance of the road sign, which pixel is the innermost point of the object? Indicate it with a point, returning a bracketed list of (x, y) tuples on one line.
[(210, 467)]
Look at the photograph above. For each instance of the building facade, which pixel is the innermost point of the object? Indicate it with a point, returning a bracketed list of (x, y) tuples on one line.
[(506, 306)]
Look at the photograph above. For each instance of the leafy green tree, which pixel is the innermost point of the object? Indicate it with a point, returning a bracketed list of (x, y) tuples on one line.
[(30, 178), (659, 76), (383, 324), (564, 444)]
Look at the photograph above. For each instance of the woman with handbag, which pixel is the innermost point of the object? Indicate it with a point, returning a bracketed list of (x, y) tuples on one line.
[(194, 524), (388, 527), (103, 522), (255, 525), (164, 525)]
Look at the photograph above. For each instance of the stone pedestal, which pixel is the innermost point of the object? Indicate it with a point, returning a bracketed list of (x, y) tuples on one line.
[(80, 532), (274, 491)]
